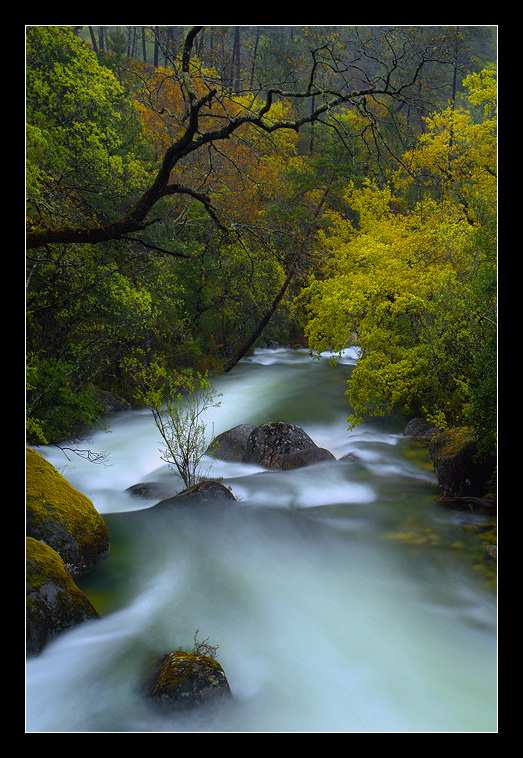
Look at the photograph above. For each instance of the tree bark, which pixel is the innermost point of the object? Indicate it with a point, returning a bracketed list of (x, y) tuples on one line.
[(144, 48), (283, 289), (193, 139), (93, 39), (156, 46)]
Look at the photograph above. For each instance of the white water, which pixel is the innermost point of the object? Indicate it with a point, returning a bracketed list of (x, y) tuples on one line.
[(323, 624)]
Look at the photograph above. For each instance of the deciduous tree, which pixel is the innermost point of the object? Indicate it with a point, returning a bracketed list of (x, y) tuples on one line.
[(395, 82)]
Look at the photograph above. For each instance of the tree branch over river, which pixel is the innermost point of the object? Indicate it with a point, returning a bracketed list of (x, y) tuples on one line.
[(401, 61)]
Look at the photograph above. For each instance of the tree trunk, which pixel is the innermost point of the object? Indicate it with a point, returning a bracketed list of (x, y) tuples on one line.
[(283, 289), (265, 320), (236, 60), (144, 51), (255, 52), (93, 39), (156, 46)]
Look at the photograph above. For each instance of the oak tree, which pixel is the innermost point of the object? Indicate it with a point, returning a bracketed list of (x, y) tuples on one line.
[(208, 120)]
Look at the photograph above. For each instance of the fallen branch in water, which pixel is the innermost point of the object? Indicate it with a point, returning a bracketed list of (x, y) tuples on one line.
[(483, 502)]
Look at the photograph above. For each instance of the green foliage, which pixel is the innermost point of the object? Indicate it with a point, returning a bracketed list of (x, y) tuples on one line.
[(55, 402), (416, 290), (404, 266), (84, 315), (82, 133), (178, 405)]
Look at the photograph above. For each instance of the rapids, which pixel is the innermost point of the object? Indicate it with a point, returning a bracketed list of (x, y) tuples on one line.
[(341, 596)]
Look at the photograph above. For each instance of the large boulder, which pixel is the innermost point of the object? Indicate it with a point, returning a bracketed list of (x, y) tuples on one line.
[(62, 517), (184, 680), (460, 468), (306, 457), (230, 445), (269, 445), (53, 601)]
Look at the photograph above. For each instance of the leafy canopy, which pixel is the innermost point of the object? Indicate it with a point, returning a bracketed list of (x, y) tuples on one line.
[(81, 131), (411, 288)]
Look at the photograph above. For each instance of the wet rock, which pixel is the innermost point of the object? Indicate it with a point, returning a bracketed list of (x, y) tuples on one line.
[(148, 490), (62, 517), (185, 680), (350, 458), (270, 444), (275, 445), (230, 445), (109, 403), (53, 601), (209, 491), (307, 457), (420, 429), (460, 469)]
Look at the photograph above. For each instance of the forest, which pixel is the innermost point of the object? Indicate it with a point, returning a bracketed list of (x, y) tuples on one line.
[(194, 191)]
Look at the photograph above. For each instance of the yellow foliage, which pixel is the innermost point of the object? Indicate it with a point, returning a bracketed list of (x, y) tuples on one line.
[(402, 285)]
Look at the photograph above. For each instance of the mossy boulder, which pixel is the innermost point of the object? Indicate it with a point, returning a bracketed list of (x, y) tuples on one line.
[(209, 490), (203, 492), (184, 680), (461, 470), (53, 601), (62, 517)]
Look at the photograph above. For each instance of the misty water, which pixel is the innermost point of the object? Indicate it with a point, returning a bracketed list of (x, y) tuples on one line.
[(341, 596)]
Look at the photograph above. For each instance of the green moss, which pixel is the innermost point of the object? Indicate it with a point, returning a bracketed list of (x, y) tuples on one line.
[(62, 517), (53, 601), (452, 441), (179, 668), (43, 564), (181, 679)]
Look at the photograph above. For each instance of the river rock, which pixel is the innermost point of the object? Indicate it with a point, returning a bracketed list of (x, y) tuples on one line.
[(460, 469), (269, 445), (109, 403), (151, 490), (62, 517), (230, 445), (53, 601), (420, 429), (203, 492), (186, 680), (307, 457)]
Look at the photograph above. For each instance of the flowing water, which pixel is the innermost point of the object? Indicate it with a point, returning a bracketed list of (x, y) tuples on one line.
[(341, 596)]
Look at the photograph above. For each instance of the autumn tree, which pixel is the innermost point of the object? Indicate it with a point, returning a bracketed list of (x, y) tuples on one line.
[(416, 289), (165, 210), (208, 121)]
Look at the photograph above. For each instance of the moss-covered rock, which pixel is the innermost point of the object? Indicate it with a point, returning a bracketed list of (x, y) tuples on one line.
[(53, 601), (62, 517), (204, 492), (185, 680), (459, 467)]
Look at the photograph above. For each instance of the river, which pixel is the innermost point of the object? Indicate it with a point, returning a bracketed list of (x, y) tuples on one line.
[(341, 596)]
